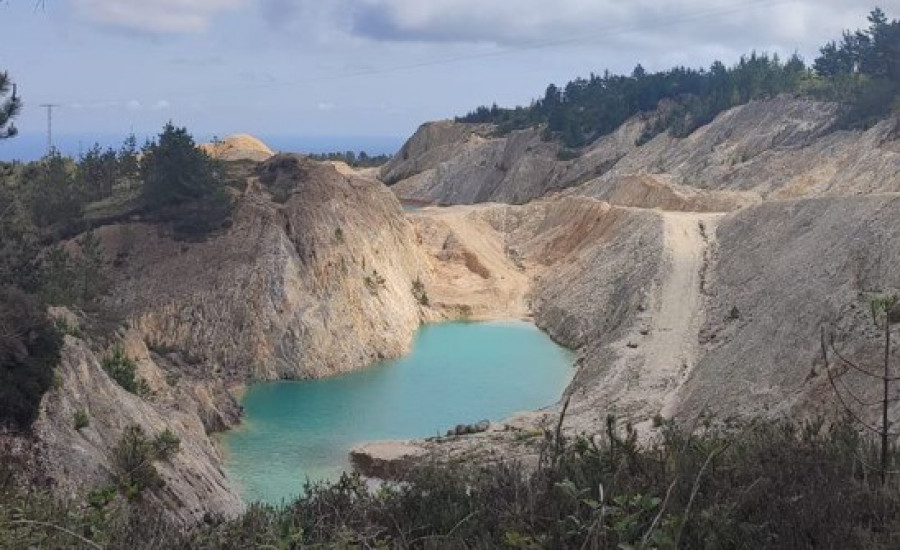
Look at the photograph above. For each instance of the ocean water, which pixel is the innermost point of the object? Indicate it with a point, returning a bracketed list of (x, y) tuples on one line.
[(456, 373), (27, 147)]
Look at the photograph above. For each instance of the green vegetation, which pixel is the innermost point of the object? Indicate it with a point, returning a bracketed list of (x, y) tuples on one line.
[(419, 293), (180, 185), (862, 72), (29, 351), (50, 256), (361, 160), (772, 485), (80, 419), (73, 279), (123, 370), (134, 456)]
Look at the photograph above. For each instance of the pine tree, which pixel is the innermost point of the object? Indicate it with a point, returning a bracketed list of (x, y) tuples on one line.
[(9, 106), (174, 170)]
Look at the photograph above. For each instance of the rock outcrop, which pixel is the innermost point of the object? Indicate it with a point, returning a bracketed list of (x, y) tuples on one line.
[(315, 285), (77, 461), (686, 272), (783, 271), (314, 276), (773, 149)]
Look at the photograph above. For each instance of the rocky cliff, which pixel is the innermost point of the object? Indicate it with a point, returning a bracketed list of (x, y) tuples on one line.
[(77, 461), (312, 282), (701, 282), (779, 148), (686, 272), (313, 277)]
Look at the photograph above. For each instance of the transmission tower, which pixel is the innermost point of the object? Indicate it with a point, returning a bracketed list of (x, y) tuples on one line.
[(49, 107)]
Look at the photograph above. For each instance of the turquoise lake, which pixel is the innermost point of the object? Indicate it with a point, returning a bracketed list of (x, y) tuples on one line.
[(456, 373)]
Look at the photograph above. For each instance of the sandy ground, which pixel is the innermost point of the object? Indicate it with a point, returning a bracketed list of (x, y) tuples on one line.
[(670, 350), (471, 266)]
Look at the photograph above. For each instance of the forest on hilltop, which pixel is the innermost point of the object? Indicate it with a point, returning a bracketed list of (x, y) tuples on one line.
[(860, 71)]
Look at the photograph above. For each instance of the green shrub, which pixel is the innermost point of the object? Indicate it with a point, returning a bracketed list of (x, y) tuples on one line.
[(81, 419), (764, 485), (29, 352), (123, 370), (68, 279), (565, 154), (775, 485), (418, 291), (166, 444), (133, 458)]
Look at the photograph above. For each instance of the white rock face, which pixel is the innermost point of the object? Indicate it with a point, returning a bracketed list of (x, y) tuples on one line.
[(634, 256), (773, 149), (318, 285), (78, 461)]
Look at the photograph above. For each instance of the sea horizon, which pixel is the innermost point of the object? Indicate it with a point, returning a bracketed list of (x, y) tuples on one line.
[(29, 147)]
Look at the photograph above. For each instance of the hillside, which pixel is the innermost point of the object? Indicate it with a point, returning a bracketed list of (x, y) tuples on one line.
[(773, 149)]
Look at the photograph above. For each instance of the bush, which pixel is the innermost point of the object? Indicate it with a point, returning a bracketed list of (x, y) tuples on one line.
[(81, 419), (566, 153), (776, 485), (374, 282), (68, 279), (766, 485), (29, 352), (419, 293), (166, 444), (123, 370), (134, 456)]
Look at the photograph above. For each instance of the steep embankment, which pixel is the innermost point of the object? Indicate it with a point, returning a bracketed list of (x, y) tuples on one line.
[(622, 285), (77, 461), (316, 284), (314, 276), (782, 271), (589, 273), (778, 148)]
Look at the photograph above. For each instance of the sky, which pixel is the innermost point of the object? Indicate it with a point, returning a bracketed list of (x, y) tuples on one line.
[(342, 68)]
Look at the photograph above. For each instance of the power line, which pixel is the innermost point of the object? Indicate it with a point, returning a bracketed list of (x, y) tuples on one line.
[(607, 31)]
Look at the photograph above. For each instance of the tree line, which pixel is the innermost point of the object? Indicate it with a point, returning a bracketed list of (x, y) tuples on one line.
[(862, 72), (46, 202), (360, 160)]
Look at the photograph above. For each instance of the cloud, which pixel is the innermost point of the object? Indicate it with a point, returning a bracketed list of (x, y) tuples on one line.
[(325, 106), (513, 22), (161, 105), (156, 16), (134, 105)]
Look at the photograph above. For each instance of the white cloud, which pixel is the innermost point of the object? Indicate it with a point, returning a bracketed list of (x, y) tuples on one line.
[(134, 105), (162, 104), (157, 16), (325, 106), (522, 21)]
